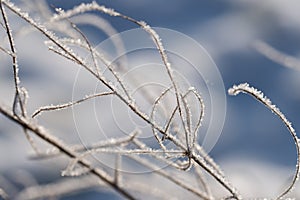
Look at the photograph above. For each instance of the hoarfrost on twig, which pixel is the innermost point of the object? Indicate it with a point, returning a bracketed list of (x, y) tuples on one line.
[(258, 95), (66, 105), (183, 145), (3, 194)]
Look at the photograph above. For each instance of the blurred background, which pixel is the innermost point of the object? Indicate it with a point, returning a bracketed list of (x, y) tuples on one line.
[(255, 149)]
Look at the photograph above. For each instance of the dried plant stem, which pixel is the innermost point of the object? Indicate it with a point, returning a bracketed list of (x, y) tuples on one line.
[(157, 41), (17, 98), (170, 177), (67, 186), (44, 135), (62, 187), (205, 165), (3, 194), (209, 160), (79, 61), (201, 115), (119, 151), (76, 59), (203, 183), (201, 162), (107, 63), (118, 165), (79, 148), (155, 104), (259, 96), (178, 165), (66, 105), (90, 48), (68, 53), (6, 51), (105, 26)]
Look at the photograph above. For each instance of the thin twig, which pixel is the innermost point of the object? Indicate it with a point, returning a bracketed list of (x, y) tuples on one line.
[(17, 98), (201, 180), (131, 105), (119, 151), (169, 176), (51, 139), (6, 51), (118, 165), (153, 110), (3, 194), (80, 148), (259, 96), (157, 41), (60, 188), (66, 105)]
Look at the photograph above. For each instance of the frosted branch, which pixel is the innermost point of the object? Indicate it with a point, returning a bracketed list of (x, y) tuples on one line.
[(66, 105), (112, 142), (120, 151), (17, 98), (259, 96), (202, 182), (170, 177), (62, 187), (184, 144), (82, 8), (6, 51), (153, 111), (51, 139), (3, 194)]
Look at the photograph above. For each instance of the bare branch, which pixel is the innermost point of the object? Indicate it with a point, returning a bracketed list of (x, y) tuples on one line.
[(61, 188), (3, 194), (13, 54), (40, 132), (66, 105), (80, 148)]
